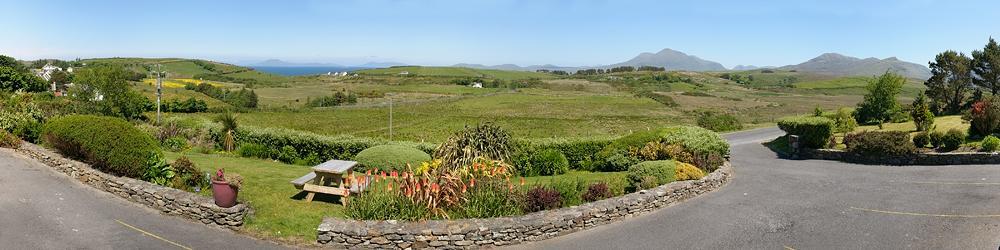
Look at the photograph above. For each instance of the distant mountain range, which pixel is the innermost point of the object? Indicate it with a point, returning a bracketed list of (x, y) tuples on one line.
[(672, 60), (828, 64), (841, 65)]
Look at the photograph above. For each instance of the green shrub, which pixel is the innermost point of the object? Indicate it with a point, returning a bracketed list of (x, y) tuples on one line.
[(695, 140), (484, 141), (953, 139), (571, 190), (109, 144), (616, 184), (8, 140), (936, 138), (175, 144), (384, 205), (287, 154), (597, 191), (489, 200), (186, 175), (390, 157), (254, 150), (921, 139), (159, 172), (813, 132), (879, 143), (990, 143), (719, 122), (542, 198), (663, 171), (548, 162), (578, 151)]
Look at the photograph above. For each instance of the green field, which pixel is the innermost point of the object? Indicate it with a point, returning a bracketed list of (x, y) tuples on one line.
[(458, 72)]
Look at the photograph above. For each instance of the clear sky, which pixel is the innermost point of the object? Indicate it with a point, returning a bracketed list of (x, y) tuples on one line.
[(570, 33)]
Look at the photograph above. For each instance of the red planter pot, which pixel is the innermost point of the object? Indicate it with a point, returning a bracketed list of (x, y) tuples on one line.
[(224, 194)]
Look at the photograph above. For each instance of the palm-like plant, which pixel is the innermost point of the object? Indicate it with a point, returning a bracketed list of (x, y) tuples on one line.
[(484, 141), (228, 121)]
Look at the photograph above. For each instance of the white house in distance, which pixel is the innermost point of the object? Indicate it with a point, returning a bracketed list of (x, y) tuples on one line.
[(404, 73), (477, 85), (46, 71)]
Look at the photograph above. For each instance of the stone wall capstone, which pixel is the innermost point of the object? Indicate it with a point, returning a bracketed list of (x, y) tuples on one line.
[(165, 199), (489, 232)]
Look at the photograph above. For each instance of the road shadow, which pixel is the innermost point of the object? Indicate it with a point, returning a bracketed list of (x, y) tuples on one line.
[(780, 147)]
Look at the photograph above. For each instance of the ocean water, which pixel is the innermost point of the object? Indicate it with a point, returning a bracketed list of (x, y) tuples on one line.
[(298, 71)]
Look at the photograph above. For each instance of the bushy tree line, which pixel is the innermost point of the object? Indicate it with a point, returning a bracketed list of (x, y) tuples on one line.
[(15, 76), (618, 69), (958, 81), (337, 99), (191, 105), (242, 98), (554, 72)]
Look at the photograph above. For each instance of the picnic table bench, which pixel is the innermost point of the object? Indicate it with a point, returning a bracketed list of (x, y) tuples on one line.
[(327, 178)]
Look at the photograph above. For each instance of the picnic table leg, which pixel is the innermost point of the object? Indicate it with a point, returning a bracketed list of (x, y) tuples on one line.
[(317, 181)]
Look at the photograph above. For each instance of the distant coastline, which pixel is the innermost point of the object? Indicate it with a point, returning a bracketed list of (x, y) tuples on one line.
[(304, 70)]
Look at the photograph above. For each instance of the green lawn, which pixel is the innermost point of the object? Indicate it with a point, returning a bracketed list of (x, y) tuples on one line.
[(943, 124), (279, 211)]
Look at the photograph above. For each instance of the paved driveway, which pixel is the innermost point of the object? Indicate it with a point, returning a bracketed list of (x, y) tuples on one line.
[(774, 203), (44, 209)]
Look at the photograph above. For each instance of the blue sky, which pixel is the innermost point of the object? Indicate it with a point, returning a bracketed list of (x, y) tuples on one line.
[(567, 33)]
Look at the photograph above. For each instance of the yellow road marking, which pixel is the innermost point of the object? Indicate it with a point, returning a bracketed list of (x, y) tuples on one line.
[(930, 215), (952, 183), (153, 235)]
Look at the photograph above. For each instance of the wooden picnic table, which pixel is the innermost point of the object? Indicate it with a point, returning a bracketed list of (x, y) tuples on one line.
[(328, 178)]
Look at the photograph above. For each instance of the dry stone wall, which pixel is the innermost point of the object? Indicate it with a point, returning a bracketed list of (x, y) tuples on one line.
[(167, 200), (475, 233), (927, 159)]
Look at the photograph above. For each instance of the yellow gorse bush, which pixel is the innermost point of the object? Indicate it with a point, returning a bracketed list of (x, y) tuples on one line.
[(686, 171)]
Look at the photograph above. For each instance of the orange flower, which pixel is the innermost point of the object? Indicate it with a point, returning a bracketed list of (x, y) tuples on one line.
[(435, 187), (389, 186), (472, 182), (522, 180), (464, 188), (394, 174), (369, 172)]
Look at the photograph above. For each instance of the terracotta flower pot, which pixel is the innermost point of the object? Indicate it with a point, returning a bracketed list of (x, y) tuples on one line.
[(224, 194)]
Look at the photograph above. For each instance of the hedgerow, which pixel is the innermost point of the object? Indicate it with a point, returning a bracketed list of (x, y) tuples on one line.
[(880, 143), (813, 131), (390, 157), (306, 143), (109, 144)]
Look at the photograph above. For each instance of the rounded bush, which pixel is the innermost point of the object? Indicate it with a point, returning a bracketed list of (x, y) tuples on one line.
[(663, 171), (549, 162), (953, 139), (936, 138), (686, 171), (287, 154), (921, 139), (109, 144), (8, 140), (390, 157), (815, 132), (990, 143)]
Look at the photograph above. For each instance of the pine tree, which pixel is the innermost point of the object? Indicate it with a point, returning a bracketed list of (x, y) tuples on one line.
[(922, 116), (986, 66), (951, 80)]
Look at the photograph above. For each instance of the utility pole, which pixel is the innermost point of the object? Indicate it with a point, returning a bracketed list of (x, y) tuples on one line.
[(159, 91)]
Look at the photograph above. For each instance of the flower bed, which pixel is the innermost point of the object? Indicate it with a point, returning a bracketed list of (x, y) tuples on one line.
[(512, 230)]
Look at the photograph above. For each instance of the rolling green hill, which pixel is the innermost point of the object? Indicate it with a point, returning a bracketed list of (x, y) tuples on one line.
[(457, 72)]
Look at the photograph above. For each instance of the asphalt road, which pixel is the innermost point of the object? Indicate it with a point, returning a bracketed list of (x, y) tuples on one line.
[(43, 209), (773, 203)]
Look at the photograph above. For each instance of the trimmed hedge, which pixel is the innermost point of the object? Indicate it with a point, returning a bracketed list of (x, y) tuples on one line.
[(880, 143), (109, 144), (306, 143), (578, 151), (813, 131), (390, 157), (547, 162)]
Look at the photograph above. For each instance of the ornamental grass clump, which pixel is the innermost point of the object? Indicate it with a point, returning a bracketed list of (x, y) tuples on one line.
[(486, 141)]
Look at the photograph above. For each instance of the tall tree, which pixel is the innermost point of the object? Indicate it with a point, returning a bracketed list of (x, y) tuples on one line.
[(951, 80), (879, 104), (107, 91), (986, 67)]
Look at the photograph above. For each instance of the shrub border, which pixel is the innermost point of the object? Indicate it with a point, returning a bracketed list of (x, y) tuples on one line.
[(167, 200), (536, 226), (918, 159)]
